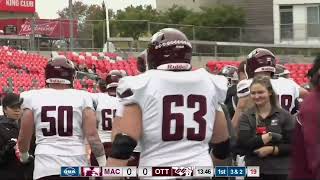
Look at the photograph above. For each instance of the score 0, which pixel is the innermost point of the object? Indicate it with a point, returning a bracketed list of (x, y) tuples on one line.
[(145, 171)]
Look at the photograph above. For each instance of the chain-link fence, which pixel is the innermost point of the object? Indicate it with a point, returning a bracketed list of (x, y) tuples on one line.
[(134, 35)]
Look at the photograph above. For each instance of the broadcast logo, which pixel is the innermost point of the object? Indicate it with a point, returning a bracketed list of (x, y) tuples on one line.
[(90, 171), (69, 171), (182, 171)]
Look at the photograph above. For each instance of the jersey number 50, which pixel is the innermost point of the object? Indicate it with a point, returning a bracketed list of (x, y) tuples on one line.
[(52, 130), (169, 117)]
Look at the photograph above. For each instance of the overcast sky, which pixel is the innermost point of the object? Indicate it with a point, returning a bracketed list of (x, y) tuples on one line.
[(47, 8)]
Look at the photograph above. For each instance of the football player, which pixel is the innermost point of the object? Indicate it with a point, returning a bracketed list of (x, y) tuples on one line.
[(281, 71), (62, 118), (262, 62), (308, 86), (112, 81), (242, 71), (142, 61), (231, 73), (173, 111), (102, 85), (106, 107)]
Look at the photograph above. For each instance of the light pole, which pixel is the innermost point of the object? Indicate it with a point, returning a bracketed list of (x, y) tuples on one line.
[(71, 24), (108, 26)]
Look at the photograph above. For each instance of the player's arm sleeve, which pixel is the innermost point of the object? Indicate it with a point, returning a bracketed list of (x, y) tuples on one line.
[(243, 89)]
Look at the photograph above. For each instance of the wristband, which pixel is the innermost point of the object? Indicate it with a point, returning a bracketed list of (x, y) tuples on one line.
[(102, 160), (24, 157)]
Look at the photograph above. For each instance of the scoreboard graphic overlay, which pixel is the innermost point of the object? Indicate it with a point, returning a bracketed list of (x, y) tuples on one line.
[(175, 171)]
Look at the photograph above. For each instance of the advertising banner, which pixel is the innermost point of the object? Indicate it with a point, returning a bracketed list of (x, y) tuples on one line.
[(23, 6)]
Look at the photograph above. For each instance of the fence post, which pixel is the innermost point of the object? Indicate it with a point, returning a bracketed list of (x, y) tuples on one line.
[(149, 28), (240, 34), (215, 51), (33, 33), (71, 24), (194, 38), (92, 29), (193, 33), (38, 47), (103, 33), (240, 39)]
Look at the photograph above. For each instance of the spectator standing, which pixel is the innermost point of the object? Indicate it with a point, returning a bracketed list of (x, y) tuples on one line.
[(305, 156), (265, 132), (10, 166)]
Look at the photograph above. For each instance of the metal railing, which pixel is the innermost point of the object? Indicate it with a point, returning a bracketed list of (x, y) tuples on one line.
[(133, 36)]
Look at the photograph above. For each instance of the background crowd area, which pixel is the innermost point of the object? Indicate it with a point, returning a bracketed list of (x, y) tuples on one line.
[(22, 71)]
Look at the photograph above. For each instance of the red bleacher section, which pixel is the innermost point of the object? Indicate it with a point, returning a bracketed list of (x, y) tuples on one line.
[(21, 71), (103, 62), (298, 71)]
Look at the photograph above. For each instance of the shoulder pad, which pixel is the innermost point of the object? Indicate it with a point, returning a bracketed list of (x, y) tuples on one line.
[(27, 98), (129, 85), (221, 85)]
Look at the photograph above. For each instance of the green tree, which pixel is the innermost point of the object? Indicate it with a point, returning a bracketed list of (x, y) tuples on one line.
[(79, 11), (96, 20), (175, 15), (220, 23), (91, 22), (204, 25), (127, 24), (97, 17)]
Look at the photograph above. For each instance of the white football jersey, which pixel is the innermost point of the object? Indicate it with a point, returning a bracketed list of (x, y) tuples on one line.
[(286, 89), (106, 107), (58, 120), (178, 110)]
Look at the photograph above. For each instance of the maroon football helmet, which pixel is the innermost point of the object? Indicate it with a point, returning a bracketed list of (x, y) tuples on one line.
[(281, 71), (169, 49), (231, 73), (102, 85), (260, 60), (112, 81), (59, 70), (142, 61)]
